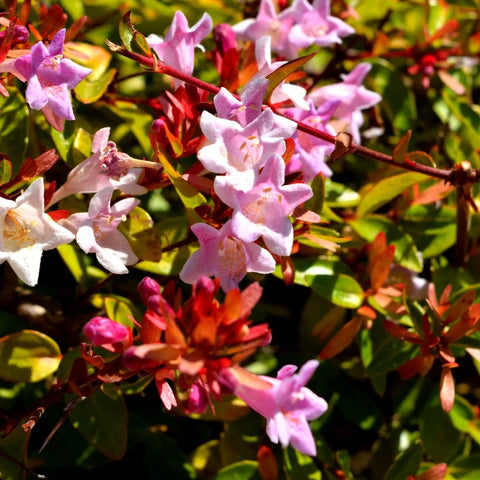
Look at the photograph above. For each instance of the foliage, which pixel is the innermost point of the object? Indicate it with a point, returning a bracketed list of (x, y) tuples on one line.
[(326, 175)]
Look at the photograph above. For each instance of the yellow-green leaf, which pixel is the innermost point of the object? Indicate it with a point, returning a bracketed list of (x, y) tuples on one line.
[(28, 356)]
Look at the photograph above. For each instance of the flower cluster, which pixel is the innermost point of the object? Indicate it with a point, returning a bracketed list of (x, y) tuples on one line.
[(195, 347)]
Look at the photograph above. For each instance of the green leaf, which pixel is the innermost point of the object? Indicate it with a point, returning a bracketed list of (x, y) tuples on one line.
[(248, 469), (89, 90), (464, 418), (344, 460), (76, 262), (28, 356), (189, 196), (390, 355), (126, 31), (137, 386), (407, 463), (340, 289), (101, 418), (315, 204), (465, 468), (406, 253), (14, 445), (387, 189), (5, 170), (340, 196), (310, 266), (281, 73), (14, 127), (441, 439), (120, 310), (398, 101), (142, 235), (299, 466)]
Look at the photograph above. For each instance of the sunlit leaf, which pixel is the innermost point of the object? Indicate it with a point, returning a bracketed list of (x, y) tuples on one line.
[(341, 289), (28, 356), (407, 463)]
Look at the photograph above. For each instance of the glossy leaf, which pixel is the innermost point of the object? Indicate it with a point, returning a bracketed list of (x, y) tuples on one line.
[(407, 463), (90, 90), (240, 471), (143, 237), (406, 253), (387, 189), (101, 418), (341, 289), (28, 356), (281, 73), (401, 148)]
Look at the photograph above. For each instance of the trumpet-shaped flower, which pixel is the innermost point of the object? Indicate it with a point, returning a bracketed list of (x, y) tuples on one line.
[(26, 230), (177, 49), (310, 151), (352, 97), (287, 405), (263, 210), (225, 256), (315, 26), (241, 151), (107, 167), (268, 23), (285, 91), (96, 231), (50, 78)]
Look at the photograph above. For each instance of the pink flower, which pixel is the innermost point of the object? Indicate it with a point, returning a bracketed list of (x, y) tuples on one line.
[(112, 336), (315, 26), (241, 151), (268, 23), (177, 49), (285, 91), (96, 231), (352, 97), (107, 167), (310, 151), (287, 405), (50, 78), (225, 256), (263, 211)]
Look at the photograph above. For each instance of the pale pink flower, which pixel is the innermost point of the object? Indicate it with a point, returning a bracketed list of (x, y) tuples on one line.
[(315, 26), (26, 231), (288, 405), (96, 231), (284, 91), (310, 151), (223, 255), (106, 167), (177, 49), (352, 96), (268, 23), (50, 78), (263, 211), (241, 151)]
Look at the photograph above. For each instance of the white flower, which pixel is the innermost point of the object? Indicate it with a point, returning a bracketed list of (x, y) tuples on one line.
[(26, 230), (96, 231)]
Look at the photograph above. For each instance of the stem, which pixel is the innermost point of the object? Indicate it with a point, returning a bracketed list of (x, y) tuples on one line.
[(457, 176)]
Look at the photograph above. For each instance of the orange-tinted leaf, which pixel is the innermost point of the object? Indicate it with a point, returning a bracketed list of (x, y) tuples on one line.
[(434, 193), (381, 267), (460, 307), (281, 73), (401, 149), (342, 339), (447, 389), (420, 364), (232, 306), (267, 463), (437, 472), (378, 245)]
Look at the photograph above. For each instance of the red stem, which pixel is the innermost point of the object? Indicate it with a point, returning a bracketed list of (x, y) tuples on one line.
[(457, 176)]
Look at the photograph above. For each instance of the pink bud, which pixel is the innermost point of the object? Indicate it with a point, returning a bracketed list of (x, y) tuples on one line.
[(112, 336)]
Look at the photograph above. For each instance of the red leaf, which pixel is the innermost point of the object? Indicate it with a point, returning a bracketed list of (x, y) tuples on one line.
[(342, 339), (437, 472), (267, 463), (38, 166), (381, 267), (460, 307), (447, 389)]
